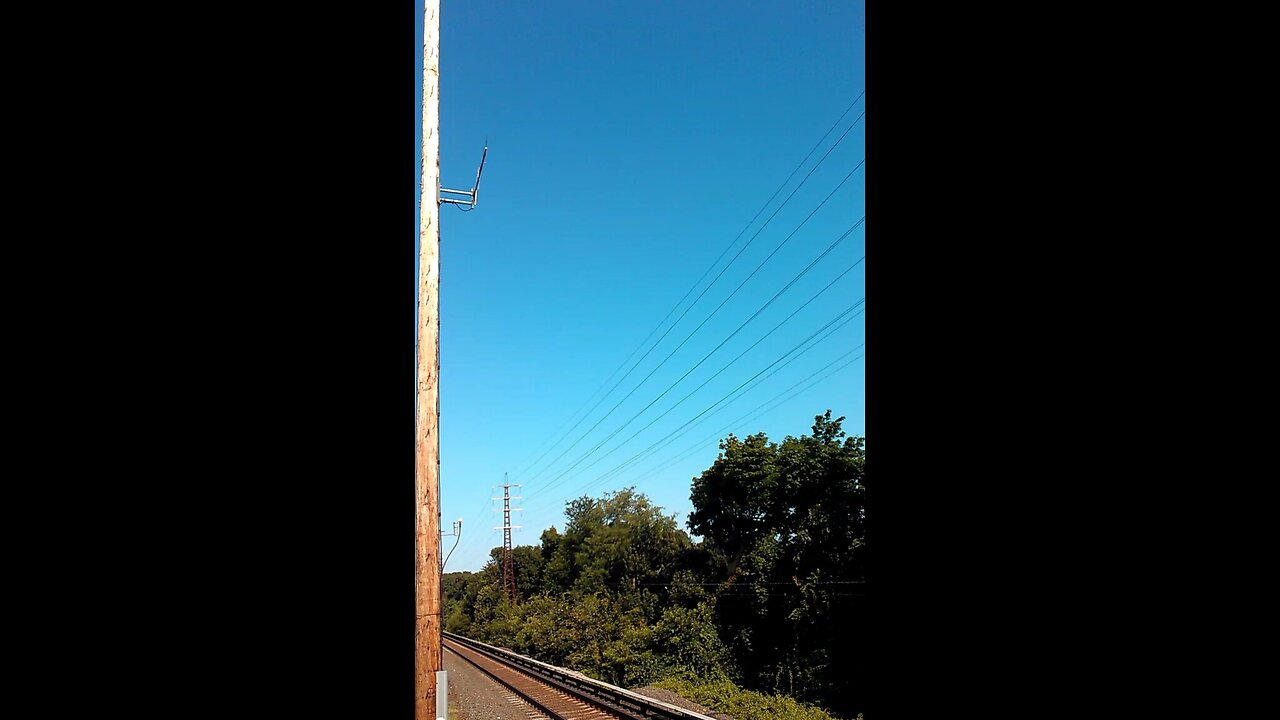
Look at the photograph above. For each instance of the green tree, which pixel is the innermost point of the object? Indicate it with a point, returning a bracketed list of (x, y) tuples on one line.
[(620, 541), (731, 499), (786, 525)]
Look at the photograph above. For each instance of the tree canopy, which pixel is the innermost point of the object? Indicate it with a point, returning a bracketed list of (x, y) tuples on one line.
[(770, 598)]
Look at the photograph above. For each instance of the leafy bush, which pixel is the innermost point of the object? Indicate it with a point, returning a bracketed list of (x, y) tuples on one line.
[(723, 696)]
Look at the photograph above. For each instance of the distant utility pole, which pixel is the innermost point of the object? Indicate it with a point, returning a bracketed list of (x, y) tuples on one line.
[(427, 660), (508, 564)]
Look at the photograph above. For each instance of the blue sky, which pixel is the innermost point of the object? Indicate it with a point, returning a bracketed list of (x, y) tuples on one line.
[(629, 145)]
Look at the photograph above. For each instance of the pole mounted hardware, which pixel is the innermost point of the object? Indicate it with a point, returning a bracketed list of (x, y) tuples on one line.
[(457, 533), (470, 195)]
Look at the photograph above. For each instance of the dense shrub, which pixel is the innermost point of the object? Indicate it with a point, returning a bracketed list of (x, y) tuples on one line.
[(723, 696)]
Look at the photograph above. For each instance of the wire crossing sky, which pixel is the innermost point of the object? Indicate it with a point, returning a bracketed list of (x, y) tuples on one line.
[(669, 244)]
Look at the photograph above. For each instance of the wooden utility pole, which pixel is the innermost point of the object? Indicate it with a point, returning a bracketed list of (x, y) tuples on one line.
[(427, 450)]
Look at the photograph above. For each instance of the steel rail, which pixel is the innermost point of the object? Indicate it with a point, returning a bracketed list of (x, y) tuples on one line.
[(617, 702)]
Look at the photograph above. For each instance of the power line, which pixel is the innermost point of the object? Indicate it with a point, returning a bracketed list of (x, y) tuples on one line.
[(750, 415), (468, 545), (661, 444), (744, 352), (664, 442), (844, 312), (488, 501), (700, 296), (615, 372), (700, 326), (689, 422), (762, 308), (689, 292)]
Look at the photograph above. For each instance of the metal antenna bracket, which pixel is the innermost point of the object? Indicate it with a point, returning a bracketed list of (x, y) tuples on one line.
[(471, 195)]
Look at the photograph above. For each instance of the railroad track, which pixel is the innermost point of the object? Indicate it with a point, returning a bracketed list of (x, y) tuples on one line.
[(559, 693)]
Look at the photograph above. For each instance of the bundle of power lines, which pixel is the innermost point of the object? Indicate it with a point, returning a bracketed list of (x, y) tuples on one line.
[(567, 473)]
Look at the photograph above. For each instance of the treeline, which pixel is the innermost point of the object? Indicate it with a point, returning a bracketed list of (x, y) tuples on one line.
[(770, 599)]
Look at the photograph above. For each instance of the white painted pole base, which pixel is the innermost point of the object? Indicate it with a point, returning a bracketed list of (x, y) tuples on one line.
[(442, 695)]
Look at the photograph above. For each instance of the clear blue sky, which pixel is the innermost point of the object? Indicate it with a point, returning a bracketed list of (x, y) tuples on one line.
[(629, 144)]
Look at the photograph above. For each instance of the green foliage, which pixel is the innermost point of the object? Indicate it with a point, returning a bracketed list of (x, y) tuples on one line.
[(723, 696), (618, 542), (785, 524), (770, 599), (687, 641)]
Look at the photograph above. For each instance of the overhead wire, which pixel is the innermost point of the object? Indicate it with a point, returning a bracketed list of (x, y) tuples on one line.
[(703, 293), (702, 443), (744, 352), (699, 327), (750, 416), (693, 287), (691, 421)]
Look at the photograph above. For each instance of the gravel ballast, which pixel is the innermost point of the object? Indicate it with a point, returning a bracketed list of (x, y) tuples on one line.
[(474, 695)]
